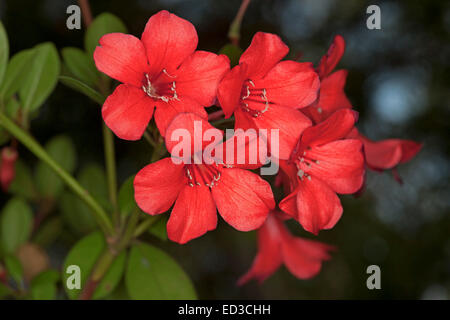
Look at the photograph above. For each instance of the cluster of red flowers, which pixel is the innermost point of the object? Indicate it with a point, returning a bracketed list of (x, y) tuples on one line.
[(321, 154)]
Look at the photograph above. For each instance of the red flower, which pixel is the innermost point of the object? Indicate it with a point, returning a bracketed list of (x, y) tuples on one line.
[(331, 96), (7, 167), (386, 154), (161, 70), (276, 246), (324, 163), (242, 198), (263, 92)]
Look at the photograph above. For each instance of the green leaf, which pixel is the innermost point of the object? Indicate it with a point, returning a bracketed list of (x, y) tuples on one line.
[(4, 291), (233, 52), (22, 185), (159, 229), (4, 51), (76, 214), (92, 177), (111, 278), (16, 72), (41, 78), (15, 224), (83, 88), (48, 232), (152, 274), (14, 268), (102, 24), (43, 286), (84, 254), (125, 199), (62, 150), (80, 65)]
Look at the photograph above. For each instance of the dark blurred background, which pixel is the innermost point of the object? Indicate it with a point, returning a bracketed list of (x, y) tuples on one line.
[(398, 80)]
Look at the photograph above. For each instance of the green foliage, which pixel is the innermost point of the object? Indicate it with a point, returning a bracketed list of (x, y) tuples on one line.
[(126, 200), (15, 224), (14, 269), (23, 185), (15, 73), (112, 277), (4, 51), (152, 274), (83, 88), (43, 286), (233, 52), (159, 229), (102, 24), (62, 150), (80, 66), (41, 78)]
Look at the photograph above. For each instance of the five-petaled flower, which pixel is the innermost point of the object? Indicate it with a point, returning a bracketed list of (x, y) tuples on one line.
[(323, 163), (277, 246), (242, 198), (161, 70), (265, 93)]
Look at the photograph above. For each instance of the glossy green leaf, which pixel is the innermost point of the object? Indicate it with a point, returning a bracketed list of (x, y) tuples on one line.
[(62, 150), (92, 177), (48, 232), (14, 269), (111, 278), (83, 88), (84, 254), (102, 24), (4, 51), (152, 274), (22, 185), (15, 224), (80, 65), (41, 77), (126, 197), (159, 229), (16, 73), (43, 286), (233, 52), (76, 215)]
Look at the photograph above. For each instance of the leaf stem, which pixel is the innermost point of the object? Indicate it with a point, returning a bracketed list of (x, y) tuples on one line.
[(234, 34), (38, 150), (111, 177)]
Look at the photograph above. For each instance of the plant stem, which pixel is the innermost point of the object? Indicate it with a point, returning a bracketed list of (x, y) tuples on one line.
[(147, 223), (234, 34), (110, 161), (38, 150)]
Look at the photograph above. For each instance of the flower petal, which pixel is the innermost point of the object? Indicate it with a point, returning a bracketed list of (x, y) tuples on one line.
[(265, 51), (318, 206), (167, 111), (337, 126), (199, 75), (122, 57), (333, 56), (242, 198), (290, 123), (193, 215), (268, 259), (127, 112), (331, 98), (291, 84), (168, 41), (229, 90), (340, 163), (409, 149), (157, 186)]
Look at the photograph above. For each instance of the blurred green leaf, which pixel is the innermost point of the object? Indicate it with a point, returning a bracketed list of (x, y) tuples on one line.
[(15, 224), (159, 229), (111, 278), (152, 274), (102, 24), (14, 268), (41, 77), (4, 291), (93, 178), (83, 88), (43, 286), (4, 51), (22, 185), (76, 214), (80, 65), (84, 254), (233, 52), (16, 73), (126, 197), (48, 232), (62, 150)]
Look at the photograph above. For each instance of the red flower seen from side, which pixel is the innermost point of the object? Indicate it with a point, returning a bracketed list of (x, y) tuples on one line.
[(331, 95), (162, 70), (323, 163), (7, 167), (264, 92), (242, 198), (277, 246)]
